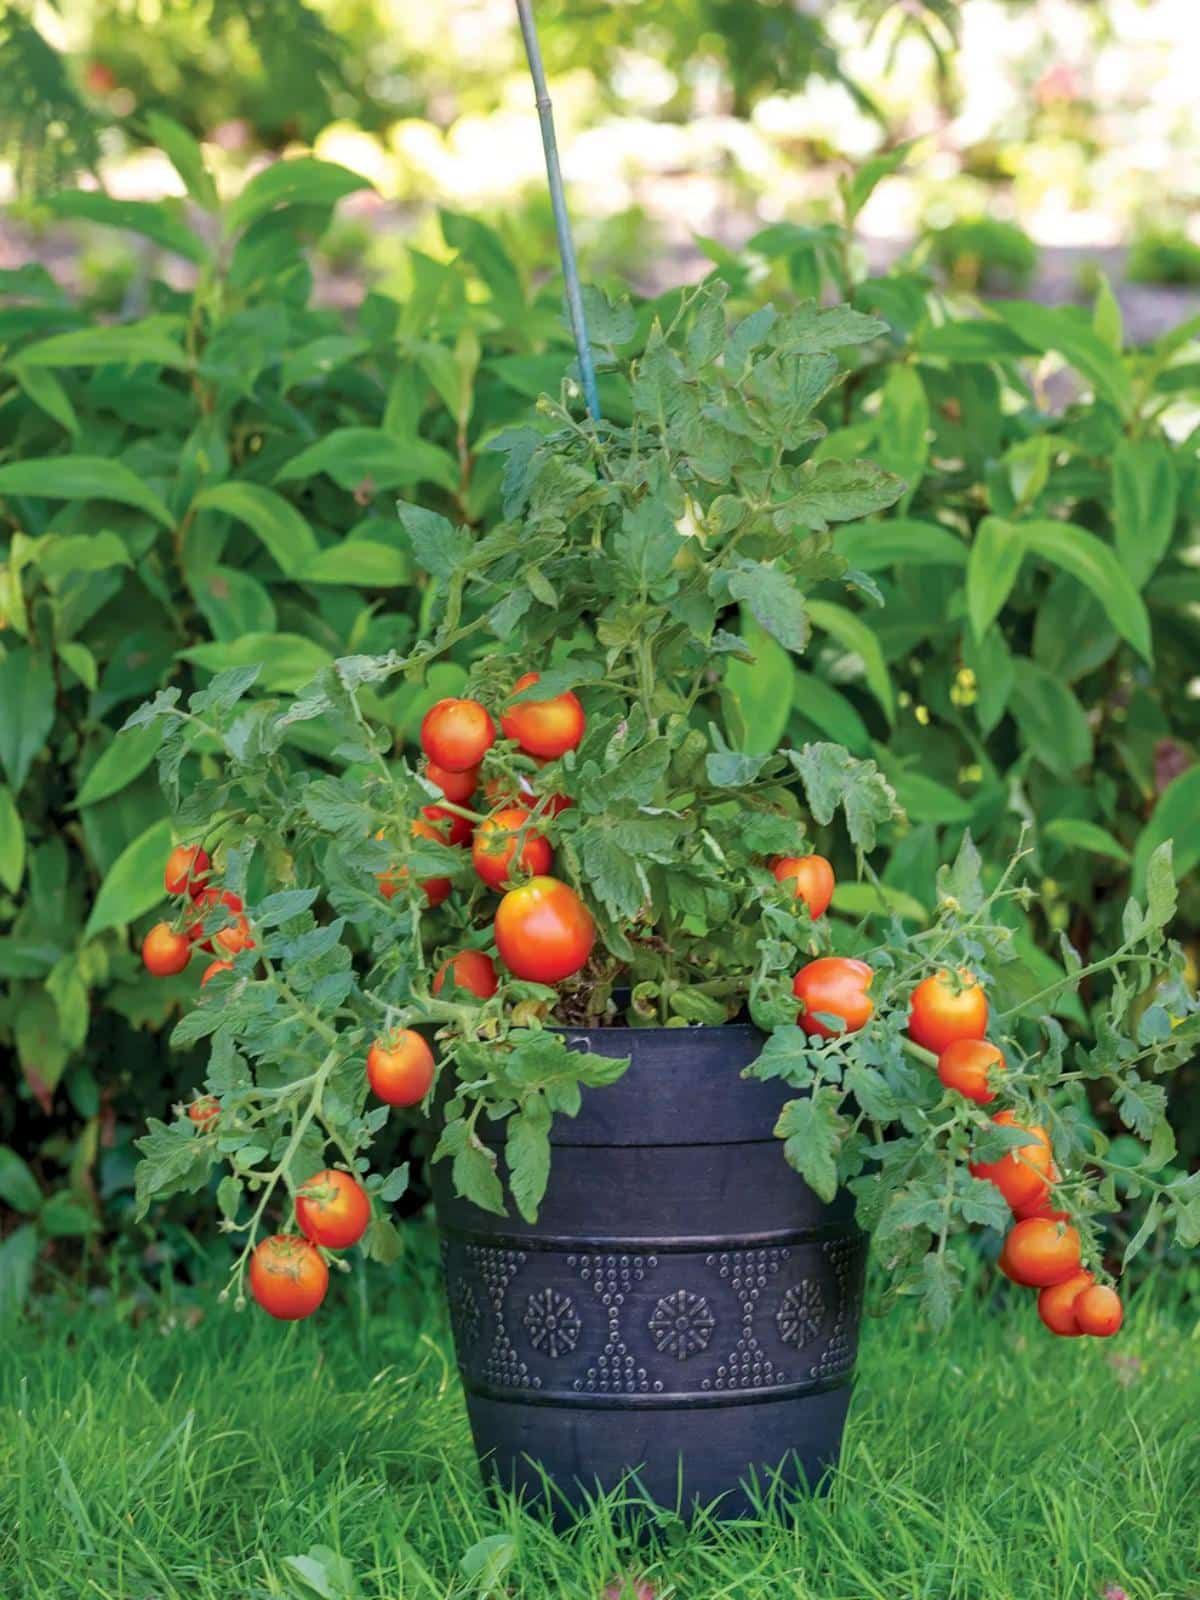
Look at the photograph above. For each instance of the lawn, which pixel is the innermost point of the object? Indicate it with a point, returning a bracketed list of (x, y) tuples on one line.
[(154, 1450)]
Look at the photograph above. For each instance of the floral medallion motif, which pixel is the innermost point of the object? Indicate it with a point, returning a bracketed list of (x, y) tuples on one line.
[(551, 1322), (681, 1324), (800, 1313)]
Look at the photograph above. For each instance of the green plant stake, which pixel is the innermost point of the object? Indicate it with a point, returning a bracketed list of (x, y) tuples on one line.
[(558, 200)]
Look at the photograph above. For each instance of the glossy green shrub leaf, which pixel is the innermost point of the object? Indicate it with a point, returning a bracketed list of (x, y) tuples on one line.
[(830, 712), (185, 155), (152, 342), (12, 841), (289, 661), (126, 758), (82, 478), (282, 529), (1081, 835), (134, 883), (154, 219), (992, 566), (1087, 558), (900, 541), (856, 637), (26, 711), (354, 457), (302, 182), (1145, 496), (1058, 328), (1176, 816), (1052, 722), (761, 689), (18, 1186), (357, 562), (903, 439), (45, 389)]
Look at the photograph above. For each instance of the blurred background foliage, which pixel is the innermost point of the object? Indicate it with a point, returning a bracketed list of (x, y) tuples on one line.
[(270, 351)]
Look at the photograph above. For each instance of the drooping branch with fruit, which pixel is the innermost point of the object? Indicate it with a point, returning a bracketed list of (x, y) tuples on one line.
[(593, 835)]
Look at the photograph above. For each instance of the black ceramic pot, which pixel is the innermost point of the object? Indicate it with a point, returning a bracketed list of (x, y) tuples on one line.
[(685, 1307)]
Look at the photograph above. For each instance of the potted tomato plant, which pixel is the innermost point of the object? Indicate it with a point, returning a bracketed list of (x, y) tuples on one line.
[(586, 930)]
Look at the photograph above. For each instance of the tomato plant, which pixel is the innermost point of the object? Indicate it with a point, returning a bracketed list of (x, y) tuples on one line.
[(638, 567)]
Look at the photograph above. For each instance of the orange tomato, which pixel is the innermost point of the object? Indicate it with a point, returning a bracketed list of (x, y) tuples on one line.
[(165, 951), (205, 903), (1041, 1205), (204, 1111), (333, 1210), (1099, 1312), (470, 970), (457, 734), (946, 1007), (1022, 1174), (963, 1066), (391, 881), (811, 878), (545, 728), (448, 825), (834, 986), (401, 1071), (456, 786), (186, 870), (496, 843), (1041, 1252), (544, 932), (1056, 1304), (288, 1277), (213, 968)]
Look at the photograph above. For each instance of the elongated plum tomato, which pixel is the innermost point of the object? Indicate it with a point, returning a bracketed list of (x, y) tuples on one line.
[(946, 1007), (457, 734), (204, 1111), (811, 878), (186, 871), (470, 970), (1041, 1253), (400, 1070), (205, 903), (544, 932), (456, 786), (545, 728), (393, 880), (1056, 1304), (1022, 1174), (333, 1210), (963, 1066), (165, 951), (1098, 1311), (834, 986), (448, 825), (496, 844), (288, 1277)]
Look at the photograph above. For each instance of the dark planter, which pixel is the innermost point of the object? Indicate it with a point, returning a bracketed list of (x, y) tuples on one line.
[(685, 1307)]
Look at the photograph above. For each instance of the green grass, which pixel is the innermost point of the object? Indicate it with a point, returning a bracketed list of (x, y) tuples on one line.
[(153, 1451)]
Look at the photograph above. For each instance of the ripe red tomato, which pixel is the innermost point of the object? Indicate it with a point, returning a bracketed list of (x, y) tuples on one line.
[(1022, 1174), (165, 951), (964, 1066), (544, 932), (393, 880), (834, 986), (186, 870), (213, 968), (1056, 1304), (333, 1210), (811, 878), (401, 1070), (946, 1007), (288, 1277), (456, 786), (204, 1111), (470, 970), (1041, 1204), (1040, 1252), (545, 728), (449, 827), (496, 843), (457, 734), (205, 903), (1099, 1312)]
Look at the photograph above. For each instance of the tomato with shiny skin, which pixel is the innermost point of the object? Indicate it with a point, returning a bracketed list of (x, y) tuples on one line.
[(401, 1069), (448, 825), (495, 845), (964, 1065), (456, 786), (471, 970), (946, 1007), (212, 969), (332, 1209), (288, 1277), (545, 728), (1041, 1205), (187, 869), (205, 903), (811, 878), (834, 986), (165, 950), (204, 1111), (1022, 1174), (457, 734), (1056, 1304), (1041, 1252), (1099, 1311), (544, 932)]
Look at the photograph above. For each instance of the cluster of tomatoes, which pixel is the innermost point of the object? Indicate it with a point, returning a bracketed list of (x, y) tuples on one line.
[(948, 1015), (167, 948), (543, 931)]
